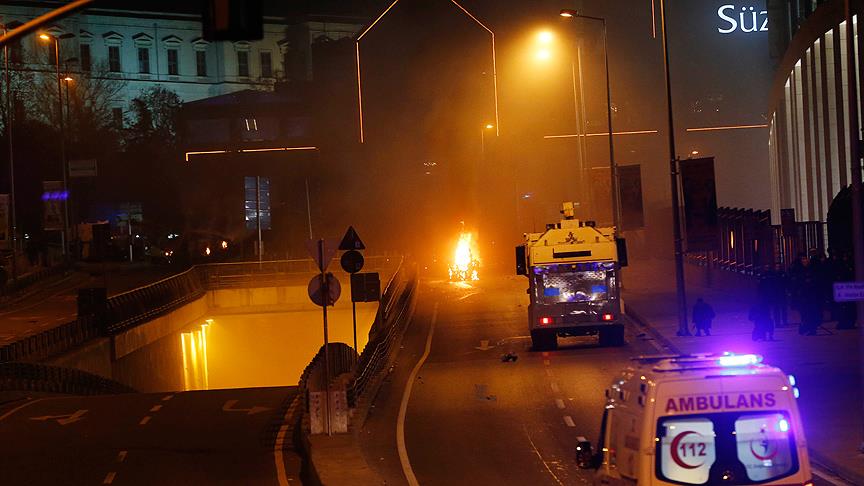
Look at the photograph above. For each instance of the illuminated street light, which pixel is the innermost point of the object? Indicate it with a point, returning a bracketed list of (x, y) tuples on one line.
[(543, 54), (489, 126), (568, 13), (545, 37), (68, 79), (45, 37)]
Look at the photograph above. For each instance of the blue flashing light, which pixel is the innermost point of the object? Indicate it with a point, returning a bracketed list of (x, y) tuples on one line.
[(792, 380), (55, 195), (795, 392), (783, 425), (739, 360)]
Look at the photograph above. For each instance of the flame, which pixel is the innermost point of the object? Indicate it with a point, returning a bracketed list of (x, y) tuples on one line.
[(465, 262)]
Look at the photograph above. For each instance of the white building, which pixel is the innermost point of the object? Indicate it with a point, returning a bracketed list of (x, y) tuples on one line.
[(147, 47)]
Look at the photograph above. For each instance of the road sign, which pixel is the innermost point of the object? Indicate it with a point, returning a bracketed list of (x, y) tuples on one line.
[(352, 261), (329, 250), (365, 287), (316, 289), (848, 291), (351, 241)]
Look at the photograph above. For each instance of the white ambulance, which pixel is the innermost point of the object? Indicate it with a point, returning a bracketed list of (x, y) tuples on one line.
[(702, 419)]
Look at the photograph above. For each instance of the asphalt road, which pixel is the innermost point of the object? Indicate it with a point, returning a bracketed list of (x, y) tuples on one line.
[(189, 438), (471, 418)]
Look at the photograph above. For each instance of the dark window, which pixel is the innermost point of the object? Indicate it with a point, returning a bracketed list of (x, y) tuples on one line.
[(85, 57), (117, 117), (114, 59), (201, 63), (173, 65), (243, 64), (143, 60), (266, 65)]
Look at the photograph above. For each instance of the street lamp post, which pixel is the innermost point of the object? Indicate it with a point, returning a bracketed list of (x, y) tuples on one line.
[(12, 210), (56, 40), (613, 167)]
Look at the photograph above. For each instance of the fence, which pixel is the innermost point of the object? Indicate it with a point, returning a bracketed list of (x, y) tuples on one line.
[(749, 244), (43, 378), (129, 309)]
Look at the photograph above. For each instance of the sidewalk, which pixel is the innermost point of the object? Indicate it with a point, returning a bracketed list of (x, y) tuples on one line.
[(53, 302), (826, 366)]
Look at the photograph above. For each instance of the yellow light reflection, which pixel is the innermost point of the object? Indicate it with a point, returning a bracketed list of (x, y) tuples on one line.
[(193, 346), (545, 37), (543, 54), (465, 263)]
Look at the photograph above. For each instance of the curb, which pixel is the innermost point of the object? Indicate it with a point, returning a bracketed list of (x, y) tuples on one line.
[(815, 457)]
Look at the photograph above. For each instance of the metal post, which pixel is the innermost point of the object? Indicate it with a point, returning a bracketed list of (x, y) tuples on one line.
[(308, 209), (855, 146), (258, 215), (325, 292), (580, 166), (13, 219), (65, 234), (583, 132), (681, 291), (354, 318)]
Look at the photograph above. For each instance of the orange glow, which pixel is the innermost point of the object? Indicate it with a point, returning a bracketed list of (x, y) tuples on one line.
[(566, 13), (545, 37), (278, 149), (730, 127), (543, 54), (465, 263), (489, 126), (200, 152), (193, 347), (45, 37), (68, 79), (603, 134)]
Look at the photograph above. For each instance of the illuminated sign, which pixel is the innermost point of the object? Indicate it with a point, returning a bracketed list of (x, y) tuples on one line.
[(749, 19)]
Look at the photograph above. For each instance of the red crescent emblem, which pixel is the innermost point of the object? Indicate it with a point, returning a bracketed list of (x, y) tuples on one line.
[(765, 457), (674, 450)]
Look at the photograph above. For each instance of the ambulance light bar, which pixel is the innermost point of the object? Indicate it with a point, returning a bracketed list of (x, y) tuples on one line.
[(739, 360)]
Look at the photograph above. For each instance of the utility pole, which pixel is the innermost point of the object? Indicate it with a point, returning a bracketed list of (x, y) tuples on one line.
[(681, 291)]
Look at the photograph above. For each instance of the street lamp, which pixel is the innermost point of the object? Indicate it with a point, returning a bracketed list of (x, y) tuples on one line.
[(56, 39), (613, 167)]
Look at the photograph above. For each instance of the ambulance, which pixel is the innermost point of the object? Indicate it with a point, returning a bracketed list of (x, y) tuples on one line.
[(702, 419)]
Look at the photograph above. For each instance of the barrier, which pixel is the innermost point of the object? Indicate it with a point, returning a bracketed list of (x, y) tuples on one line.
[(52, 379)]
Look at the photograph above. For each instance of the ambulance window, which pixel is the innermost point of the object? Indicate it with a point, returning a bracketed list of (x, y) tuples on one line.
[(687, 449), (764, 445)]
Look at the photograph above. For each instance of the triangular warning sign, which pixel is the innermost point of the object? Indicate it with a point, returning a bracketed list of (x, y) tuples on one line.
[(351, 241)]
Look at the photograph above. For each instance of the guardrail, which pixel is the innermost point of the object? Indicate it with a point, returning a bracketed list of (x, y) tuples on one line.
[(129, 309), (52, 379)]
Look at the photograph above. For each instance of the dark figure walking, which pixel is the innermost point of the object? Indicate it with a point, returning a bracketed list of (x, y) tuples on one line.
[(808, 296), (703, 314), (763, 326)]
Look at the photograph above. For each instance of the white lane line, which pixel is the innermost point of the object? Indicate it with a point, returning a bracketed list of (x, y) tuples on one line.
[(559, 403), (555, 388), (121, 456), (278, 456), (548, 372), (827, 477), (546, 362), (19, 407), (569, 421), (156, 408), (539, 456), (109, 478), (144, 420), (167, 397), (403, 407)]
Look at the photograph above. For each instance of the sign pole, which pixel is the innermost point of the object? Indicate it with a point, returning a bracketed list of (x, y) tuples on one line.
[(325, 292), (354, 317), (258, 215)]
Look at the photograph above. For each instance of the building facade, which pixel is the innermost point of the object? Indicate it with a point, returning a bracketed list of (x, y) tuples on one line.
[(809, 143), (158, 43)]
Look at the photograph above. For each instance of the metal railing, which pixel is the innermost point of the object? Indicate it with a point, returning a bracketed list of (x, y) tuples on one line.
[(52, 379)]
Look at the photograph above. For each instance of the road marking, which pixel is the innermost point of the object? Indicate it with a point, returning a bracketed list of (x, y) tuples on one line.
[(548, 372), (467, 295), (281, 475), (155, 408), (555, 388), (109, 478), (19, 407), (569, 421), (229, 407), (67, 419), (167, 397), (121, 456), (559, 403), (403, 407), (539, 456), (144, 420), (484, 345), (546, 362)]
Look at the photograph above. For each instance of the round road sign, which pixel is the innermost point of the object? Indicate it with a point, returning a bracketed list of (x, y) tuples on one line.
[(316, 289), (352, 261)]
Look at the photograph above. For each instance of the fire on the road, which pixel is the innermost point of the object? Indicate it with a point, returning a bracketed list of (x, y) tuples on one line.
[(465, 264)]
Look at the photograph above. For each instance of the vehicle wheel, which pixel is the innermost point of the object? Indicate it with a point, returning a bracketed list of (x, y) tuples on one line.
[(542, 341), (612, 336)]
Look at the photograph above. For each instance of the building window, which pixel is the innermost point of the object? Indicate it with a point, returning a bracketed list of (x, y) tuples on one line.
[(243, 64), (114, 59), (201, 63), (85, 57), (266, 65), (173, 68), (117, 117), (143, 60)]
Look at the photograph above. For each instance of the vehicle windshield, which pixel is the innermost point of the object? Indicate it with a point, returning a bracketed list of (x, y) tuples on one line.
[(574, 283), (725, 448)]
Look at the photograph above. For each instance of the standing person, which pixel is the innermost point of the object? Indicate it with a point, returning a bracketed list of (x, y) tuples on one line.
[(703, 314), (776, 295), (763, 326)]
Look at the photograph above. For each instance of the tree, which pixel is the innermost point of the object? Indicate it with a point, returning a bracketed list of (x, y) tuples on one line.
[(154, 123)]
